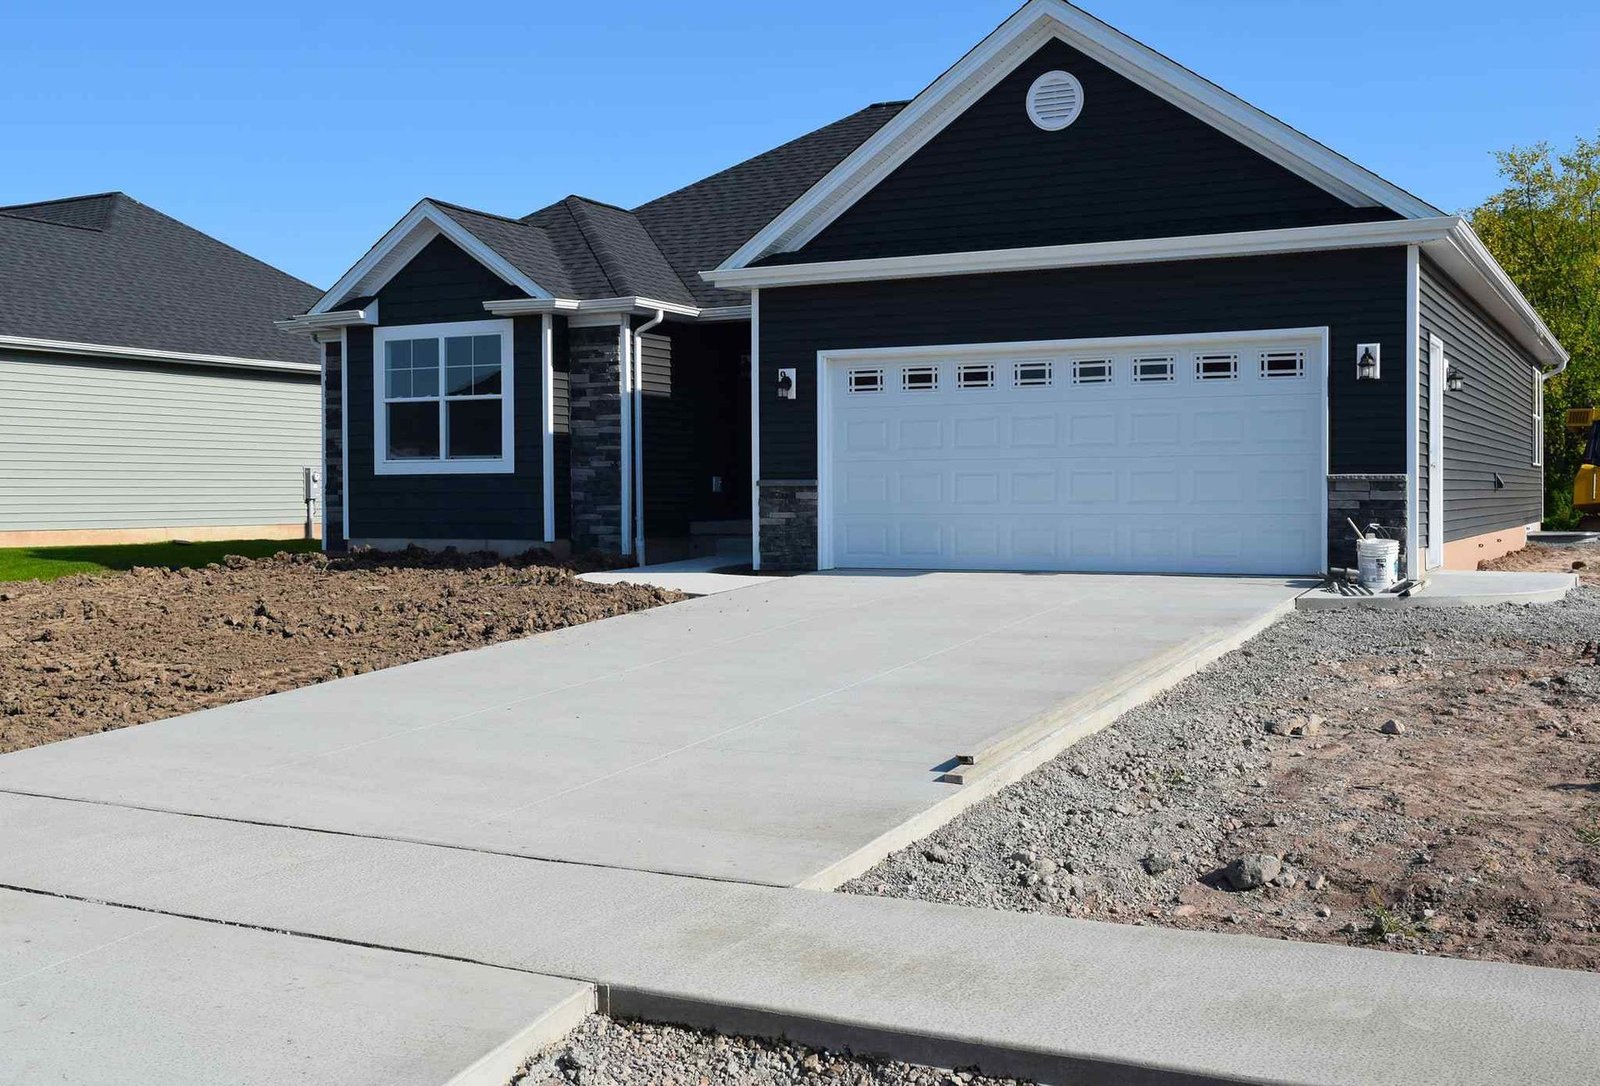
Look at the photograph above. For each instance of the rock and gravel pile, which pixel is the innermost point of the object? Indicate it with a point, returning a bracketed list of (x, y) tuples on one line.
[(1426, 780), (609, 1052), (87, 654)]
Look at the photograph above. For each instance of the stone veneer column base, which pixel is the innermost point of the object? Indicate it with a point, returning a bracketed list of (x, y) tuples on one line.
[(1367, 500), (595, 399), (789, 525)]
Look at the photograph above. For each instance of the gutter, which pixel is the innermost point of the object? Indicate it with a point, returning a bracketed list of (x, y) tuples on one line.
[(313, 323), (523, 307), (143, 354), (637, 363)]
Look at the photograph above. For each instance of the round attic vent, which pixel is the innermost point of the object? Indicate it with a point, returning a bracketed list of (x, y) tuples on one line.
[(1055, 100)]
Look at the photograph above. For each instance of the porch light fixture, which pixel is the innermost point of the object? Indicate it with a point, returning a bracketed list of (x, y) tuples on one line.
[(1368, 356), (1456, 380)]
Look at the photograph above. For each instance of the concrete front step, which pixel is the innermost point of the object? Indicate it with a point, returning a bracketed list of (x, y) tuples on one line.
[(1014, 994)]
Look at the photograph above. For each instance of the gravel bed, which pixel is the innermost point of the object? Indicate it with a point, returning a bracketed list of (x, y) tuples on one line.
[(1426, 780), (610, 1052)]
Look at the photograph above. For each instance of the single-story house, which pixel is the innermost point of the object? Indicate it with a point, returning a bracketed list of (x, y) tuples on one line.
[(1073, 307), (145, 393)]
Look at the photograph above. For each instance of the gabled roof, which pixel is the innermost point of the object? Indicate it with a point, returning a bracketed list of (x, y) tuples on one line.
[(1035, 23), (107, 271), (580, 248)]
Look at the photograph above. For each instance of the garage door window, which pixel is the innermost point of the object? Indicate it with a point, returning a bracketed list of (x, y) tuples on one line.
[(1154, 369), (1216, 367), (975, 376), (866, 380), (920, 378), (442, 399), (1034, 374), (1283, 364), (1091, 371)]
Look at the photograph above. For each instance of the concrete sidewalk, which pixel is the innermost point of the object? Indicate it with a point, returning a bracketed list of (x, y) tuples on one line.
[(784, 733), (92, 994), (1016, 994)]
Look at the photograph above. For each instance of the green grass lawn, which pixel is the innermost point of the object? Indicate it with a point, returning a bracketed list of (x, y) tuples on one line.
[(48, 563)]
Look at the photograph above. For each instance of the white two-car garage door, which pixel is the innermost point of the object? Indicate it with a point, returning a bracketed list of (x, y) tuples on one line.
[(1201, 454)]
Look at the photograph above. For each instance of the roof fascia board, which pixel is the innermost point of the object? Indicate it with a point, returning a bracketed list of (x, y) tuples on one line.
[(330, 321), (1141, 250), (1468, 262), (981, 69), (144, 354), (403, 241), (519, 307)]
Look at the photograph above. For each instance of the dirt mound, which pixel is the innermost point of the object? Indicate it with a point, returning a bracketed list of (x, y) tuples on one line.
[(1583, 560), (86, 654)]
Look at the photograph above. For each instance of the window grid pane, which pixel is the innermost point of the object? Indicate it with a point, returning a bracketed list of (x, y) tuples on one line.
[(920, 378), (446, 395), (1154, 369), (1091, 371), (1033, 374)]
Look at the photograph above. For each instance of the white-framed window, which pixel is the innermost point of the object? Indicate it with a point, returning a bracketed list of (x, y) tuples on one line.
[(1283, 364), (920, 378), (1091, 371), (1033, 374), (1162, 368), (442, 399), (977, 375), (1538, 421), (866, 381), (1216, 367)]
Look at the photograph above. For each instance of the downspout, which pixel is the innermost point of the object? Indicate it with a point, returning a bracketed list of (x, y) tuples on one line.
[(638, 431)]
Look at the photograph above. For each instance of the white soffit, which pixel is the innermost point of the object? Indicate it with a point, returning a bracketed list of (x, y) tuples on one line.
[(997, 56)]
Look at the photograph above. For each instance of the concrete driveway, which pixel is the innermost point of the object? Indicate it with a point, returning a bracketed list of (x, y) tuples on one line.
[(788, 733)]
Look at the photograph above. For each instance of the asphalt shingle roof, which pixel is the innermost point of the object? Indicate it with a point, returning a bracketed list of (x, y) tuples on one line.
[(107, 270), (583, 248)]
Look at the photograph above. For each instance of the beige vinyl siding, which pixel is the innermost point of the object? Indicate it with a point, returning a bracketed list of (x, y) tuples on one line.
[(90, 444)]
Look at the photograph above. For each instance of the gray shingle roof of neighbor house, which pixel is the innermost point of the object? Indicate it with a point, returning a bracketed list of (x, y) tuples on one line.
[(582, 248), (107, 270)]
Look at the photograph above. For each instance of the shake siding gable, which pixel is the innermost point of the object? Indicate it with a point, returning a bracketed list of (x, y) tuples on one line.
[(1132, 166)]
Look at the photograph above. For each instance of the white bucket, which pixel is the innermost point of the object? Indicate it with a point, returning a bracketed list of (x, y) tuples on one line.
[(1378, 562)]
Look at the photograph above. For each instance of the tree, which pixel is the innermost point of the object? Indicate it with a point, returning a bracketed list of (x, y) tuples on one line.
[(1544, 229)]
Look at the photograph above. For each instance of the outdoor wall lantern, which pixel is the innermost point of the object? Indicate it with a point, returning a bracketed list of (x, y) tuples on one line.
[(1456, 380), (1368, 358), (786, 384)]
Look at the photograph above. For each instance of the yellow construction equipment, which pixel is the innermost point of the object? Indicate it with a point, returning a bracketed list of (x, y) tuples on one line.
[(1586, 491)]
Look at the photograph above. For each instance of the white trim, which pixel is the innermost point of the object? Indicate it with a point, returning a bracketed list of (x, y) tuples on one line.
[(1438, 382), (144, 354), (547, 342), (755, 429), (322, 434), (637, 406), (344, 428), (506, 462), (829, 360), (1447, 239), (404, 240), (1538, 423), (1414, 564), (625, 424), (609, 307), (998, 55), (331, 321), (1139, 250)]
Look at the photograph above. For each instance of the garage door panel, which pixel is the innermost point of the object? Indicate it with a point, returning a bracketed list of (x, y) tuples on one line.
[(1220, 474)]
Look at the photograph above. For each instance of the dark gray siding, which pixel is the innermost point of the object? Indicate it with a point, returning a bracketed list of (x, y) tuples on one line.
[(1132, 166), (333, 537), (1360, 295), (669, 424), (444, 284), (561, 443), (1488, 425)]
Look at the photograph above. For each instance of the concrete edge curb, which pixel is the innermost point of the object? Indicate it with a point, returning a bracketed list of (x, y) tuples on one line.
[(499, 1066), (1312, 601), (1075, 723), (907, 1046)]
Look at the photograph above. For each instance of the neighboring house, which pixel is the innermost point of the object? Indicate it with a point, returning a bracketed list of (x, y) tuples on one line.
[(1071, 308), (144, 392)]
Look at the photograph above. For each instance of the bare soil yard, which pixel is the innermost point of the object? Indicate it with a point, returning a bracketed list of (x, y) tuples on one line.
[(86, 654), (1468, 827)]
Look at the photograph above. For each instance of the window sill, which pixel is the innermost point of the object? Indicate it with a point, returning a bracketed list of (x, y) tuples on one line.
[(444, 467)]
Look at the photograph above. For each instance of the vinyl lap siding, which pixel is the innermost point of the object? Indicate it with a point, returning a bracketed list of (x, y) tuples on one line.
[(1132, 166), (669, 422), (1488, 425), (1360, 295), (89, 444)]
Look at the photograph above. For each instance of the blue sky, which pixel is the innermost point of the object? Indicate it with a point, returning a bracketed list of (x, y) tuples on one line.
[(301, 132)]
